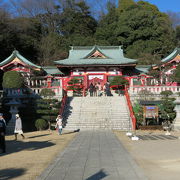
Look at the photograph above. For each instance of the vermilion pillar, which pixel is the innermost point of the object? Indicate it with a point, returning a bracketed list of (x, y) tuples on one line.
[(49, 81)]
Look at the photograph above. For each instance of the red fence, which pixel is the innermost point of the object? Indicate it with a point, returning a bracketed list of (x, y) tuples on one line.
[(63, 103), (130, 109)]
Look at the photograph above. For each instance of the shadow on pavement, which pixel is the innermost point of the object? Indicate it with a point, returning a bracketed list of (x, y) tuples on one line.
[(10, 173), (72, 131), (38, 136), (98, 176), (16, 146)]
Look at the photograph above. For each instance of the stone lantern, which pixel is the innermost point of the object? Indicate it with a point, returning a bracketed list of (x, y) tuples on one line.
[(13, 110), (176, 124)]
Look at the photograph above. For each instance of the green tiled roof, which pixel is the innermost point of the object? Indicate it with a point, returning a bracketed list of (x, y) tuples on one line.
[(78, 55), (19, 56), (171, 56), (52, 70)]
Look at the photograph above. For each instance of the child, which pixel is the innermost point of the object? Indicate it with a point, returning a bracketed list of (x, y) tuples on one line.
[(59, 124)]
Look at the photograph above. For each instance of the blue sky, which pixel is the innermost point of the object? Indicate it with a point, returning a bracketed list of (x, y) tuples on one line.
[(166, 5), (163, 5)]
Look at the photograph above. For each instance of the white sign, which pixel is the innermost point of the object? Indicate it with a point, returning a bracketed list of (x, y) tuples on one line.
[(96, 76)]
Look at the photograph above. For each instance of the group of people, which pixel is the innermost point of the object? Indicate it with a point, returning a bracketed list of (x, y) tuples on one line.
[(98, 90), (17, 130)]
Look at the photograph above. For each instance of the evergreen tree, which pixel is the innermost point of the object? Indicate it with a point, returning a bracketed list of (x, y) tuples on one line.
[(178, 36), (47, 108), (12, 79), (143, 29), (76, 86), (176, 75), (105, 34), (77, 25), (125, 4), (167, 106)]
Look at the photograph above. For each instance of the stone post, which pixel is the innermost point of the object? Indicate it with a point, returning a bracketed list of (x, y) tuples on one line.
[(176, 124), (13, 110)]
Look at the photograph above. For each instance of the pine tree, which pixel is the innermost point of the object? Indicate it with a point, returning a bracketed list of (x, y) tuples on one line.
[(47, 108), (76, 86)]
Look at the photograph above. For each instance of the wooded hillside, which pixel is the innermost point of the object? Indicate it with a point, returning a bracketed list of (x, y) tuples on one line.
[(43, 30)]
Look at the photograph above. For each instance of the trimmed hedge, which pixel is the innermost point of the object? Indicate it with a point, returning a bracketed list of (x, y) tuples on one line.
[(12, 79), (41, 124)]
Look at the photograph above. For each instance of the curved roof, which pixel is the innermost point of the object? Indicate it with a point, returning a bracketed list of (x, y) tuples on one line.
[(52, 70), (80, 55), (15, 54), (172, 55)]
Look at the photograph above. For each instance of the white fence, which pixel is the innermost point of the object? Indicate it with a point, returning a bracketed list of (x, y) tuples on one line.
[(33, 91), (154, 89)]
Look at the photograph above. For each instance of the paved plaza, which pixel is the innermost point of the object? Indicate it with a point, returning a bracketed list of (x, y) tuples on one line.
[(94, 155)]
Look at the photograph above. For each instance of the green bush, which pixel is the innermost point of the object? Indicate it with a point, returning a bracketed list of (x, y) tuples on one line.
[(138, 112), (47, 93), (12, 79), (166, 93), (41, 124)]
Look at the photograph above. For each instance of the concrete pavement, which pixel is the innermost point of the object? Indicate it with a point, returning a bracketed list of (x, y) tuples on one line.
[(94, 155)]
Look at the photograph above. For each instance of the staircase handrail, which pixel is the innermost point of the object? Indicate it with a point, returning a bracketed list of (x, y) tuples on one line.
[(133, 118), (63, 103)]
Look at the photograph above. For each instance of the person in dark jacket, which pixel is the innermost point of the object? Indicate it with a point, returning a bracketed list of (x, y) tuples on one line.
[(107, 89), (91, 89), (2, 133)]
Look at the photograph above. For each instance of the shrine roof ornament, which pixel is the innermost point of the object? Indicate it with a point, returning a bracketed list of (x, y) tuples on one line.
[(173, 55), (16, 54), (95, 55)]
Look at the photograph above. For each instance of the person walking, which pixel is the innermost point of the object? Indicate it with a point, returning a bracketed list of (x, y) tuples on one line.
[(95, 89), (99, 88), (91, 89), (18, 127), (59, 124), (59, 117), (2, 133), (108, 91)]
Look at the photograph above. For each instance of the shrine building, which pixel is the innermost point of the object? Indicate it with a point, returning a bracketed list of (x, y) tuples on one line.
[(93, 64)]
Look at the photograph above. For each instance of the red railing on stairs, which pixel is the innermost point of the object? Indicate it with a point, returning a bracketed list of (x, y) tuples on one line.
[(133, 118), (63, 103)]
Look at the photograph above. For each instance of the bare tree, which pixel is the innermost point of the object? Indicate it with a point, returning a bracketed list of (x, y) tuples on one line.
[(31, 8), (174, 17), (44, 10), (100, 7)]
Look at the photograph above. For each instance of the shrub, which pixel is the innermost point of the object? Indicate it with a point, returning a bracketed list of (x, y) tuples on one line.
[(145, 94), (138, 112), (166, 93), (119, 81), (12, 79), (47, 93), (76, 86), (41, 124)]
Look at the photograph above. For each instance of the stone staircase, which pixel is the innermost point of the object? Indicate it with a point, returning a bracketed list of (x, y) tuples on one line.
[(97, 113)]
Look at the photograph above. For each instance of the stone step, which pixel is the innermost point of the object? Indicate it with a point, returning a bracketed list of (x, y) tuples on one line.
[(97, 113)]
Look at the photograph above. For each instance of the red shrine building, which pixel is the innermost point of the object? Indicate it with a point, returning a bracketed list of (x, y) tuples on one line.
[(93, 64)]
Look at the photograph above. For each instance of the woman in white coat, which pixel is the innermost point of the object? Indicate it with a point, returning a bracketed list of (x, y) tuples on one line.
[(18, 127)]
